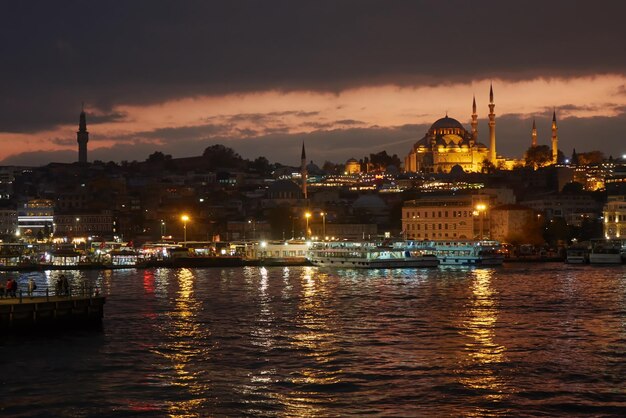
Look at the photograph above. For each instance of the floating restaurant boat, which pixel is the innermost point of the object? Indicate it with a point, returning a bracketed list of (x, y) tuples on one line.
[(279, 253), (367, 254), (464, 252)]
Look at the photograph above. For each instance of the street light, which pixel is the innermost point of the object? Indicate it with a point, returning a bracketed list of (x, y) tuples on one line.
[(323, 225), (184, 218), (162, 228), (481, 208), (307, 216)]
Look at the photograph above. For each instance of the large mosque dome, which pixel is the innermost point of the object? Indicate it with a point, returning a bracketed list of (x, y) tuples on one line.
[(447, 125)]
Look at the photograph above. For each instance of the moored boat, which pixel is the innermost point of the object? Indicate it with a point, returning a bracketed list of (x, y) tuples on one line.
[(465, 252), (367, 254)]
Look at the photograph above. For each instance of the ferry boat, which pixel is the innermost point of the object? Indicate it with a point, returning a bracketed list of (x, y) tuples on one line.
[(279, 253), (465, 252), (607, 251), (367, 254)]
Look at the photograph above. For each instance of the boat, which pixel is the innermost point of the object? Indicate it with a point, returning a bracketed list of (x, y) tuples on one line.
[(606, 251), (368, 254), (465, 252), (279, 253), (577, 254)]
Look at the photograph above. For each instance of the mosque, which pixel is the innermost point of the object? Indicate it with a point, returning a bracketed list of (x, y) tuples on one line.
[(448, 144)]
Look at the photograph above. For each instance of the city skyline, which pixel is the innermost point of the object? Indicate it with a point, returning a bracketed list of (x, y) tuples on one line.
[(346, 80)]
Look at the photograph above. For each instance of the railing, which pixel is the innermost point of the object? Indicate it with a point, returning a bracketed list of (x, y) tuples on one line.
[(80, 291)]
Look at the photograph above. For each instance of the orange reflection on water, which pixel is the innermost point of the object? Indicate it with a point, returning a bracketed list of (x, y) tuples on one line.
[(184, 334), (482, 351), (318, 342)]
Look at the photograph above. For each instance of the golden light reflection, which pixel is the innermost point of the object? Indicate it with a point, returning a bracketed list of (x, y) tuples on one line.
[(318, 341), (183, 345), (482, 351)]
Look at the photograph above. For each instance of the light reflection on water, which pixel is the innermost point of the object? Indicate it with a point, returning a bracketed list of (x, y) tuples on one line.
[(302, 341)]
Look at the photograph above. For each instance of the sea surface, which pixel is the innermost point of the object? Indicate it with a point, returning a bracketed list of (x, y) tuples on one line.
[(543, 339)]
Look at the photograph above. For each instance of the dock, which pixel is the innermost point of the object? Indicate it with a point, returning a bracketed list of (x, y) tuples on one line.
[(51, 312)]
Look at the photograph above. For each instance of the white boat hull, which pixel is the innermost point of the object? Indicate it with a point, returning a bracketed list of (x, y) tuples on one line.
[(375, 264), (471, 261)]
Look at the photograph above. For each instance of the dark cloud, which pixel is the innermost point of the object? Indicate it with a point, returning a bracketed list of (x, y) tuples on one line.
[(349, 122), (58, 54)]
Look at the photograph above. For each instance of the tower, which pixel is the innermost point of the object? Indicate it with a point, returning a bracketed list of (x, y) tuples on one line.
[(82, 137), (534, 134), (303, 171), (555, 139), (474, 122), (492, 128)]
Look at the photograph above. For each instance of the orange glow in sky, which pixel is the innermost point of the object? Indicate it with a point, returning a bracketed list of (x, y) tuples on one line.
[(254, 114)]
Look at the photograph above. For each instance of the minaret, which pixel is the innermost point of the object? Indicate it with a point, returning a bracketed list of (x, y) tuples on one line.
[(492, 128), (303, 171), (474, 122), (534, 134), (82, 137), (555, 139)]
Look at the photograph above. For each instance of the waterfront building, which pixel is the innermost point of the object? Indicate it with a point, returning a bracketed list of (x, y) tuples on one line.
[(514, 223), (36, 218), (85, 224), (564, 205), (445, 217), (614, 213)]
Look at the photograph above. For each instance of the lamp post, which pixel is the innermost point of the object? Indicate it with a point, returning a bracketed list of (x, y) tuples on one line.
[(162, 228), (184, 218), (307, 216), (323, 225), (481, 208)]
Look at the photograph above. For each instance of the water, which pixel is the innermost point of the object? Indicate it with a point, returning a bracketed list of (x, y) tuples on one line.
[(519, 340)]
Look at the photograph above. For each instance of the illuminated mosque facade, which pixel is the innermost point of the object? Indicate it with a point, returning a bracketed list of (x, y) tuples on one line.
[(448, 144)]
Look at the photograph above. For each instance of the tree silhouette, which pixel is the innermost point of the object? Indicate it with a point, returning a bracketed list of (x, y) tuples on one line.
[(538, 156)]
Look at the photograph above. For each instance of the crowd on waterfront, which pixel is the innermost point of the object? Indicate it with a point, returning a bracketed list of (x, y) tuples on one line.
[(17, 287)]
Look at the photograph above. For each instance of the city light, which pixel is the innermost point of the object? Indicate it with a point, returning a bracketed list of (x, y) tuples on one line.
[(307, 215), (185, 219)]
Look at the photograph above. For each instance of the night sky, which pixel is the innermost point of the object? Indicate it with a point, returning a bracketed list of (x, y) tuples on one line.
[(348, 78)]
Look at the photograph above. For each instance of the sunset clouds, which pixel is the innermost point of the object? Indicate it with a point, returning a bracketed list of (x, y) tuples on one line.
[(349, 78)]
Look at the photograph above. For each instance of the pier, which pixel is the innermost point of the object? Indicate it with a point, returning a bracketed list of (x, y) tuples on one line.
[(24, 313)]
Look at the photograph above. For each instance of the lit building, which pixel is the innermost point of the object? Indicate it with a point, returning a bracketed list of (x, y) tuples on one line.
[(448, 144), (615, 217), (36, 216), (352, 166), (464, 216)]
